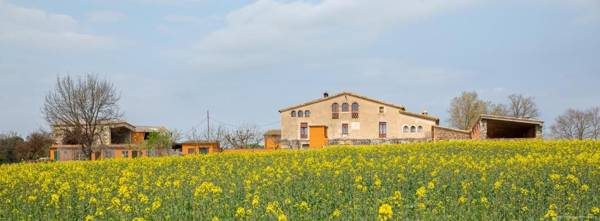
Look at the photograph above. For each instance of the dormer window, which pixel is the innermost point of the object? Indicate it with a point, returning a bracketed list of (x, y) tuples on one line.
[(293, 113)]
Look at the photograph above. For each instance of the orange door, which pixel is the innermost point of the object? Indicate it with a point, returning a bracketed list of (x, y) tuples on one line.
[(317, 136)]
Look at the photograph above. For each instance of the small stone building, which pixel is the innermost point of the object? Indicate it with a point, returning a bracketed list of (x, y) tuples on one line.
[(272, 139), (493, 127)]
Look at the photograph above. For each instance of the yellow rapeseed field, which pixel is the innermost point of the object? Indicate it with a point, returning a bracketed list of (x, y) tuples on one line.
[(466, 180)]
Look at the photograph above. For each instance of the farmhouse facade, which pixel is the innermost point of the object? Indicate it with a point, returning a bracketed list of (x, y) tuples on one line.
[(348, 118), (120, 139)]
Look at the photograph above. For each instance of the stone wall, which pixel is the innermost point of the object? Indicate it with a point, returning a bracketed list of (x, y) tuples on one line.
[(442, 133)]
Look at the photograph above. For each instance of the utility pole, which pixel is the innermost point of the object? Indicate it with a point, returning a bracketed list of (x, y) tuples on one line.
[(208, 124)]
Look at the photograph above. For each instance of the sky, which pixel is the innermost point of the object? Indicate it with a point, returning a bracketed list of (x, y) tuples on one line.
[(172, 60)]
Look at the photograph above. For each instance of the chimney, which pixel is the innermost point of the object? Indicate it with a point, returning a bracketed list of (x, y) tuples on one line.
[(425, 112), (325, 95)]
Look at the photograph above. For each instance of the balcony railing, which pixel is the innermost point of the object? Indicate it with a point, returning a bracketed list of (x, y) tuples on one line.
[(355, 115), (335, 115)]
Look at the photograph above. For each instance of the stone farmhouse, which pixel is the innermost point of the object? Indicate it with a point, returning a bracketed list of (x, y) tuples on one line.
[(120, 139), (348, 118), (351, 119)]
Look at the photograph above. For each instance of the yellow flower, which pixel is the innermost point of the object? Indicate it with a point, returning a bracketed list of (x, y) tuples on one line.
[(385, 212), (240, 212), (585, 188), (497, 185), (89, 218), (215, 219), (555, 177), (421, 192), (303, 205), (336, 213), (282, 217), (138, 219), (156, 204), (484, 200), (127, 208), (595, 211), (462, 200), (430, 185)]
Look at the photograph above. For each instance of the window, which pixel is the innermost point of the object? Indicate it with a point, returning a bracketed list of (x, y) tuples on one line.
[(306, 113), (382, 129), (345, 107), (293, 113), (354, 110), (335, 109), (354, 107), (125, 154), (190, 151), (405, 129), (300, 113), (203, 150), (344, 129), (420, 129), (303, 130), (381, 110), (413, 129)]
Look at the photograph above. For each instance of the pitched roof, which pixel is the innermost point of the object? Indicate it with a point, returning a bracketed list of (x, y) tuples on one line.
[(339, 95), (275, 132), (507, 118), (424, 116)]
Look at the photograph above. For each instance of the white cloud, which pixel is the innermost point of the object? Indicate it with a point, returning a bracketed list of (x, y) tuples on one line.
[(106, 16), (35, 28), (270, 31)]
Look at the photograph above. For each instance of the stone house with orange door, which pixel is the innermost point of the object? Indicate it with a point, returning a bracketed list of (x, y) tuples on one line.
[(348, 118), (118, 139)]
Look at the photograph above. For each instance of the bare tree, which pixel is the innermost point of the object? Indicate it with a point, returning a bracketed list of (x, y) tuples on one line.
[(245, 136), (465, 109), (577, 124), (497, 109), (522, 107), (594, 116), (216, 134), (81, 105)]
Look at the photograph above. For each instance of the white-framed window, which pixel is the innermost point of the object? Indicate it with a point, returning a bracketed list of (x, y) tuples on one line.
[(306, 113), (293, 114), (300, 113), (413, 129), (420, 129)]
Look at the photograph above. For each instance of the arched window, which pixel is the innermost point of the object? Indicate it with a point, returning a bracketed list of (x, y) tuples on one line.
[(354, 107), (300, 113), (335, 107), (420, 129), (405, 129), (381, 110), (306, 113), (293, 113), (345, 107), (413, 129)]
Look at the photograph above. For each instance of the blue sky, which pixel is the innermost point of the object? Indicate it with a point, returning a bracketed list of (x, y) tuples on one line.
[(244, 60)]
